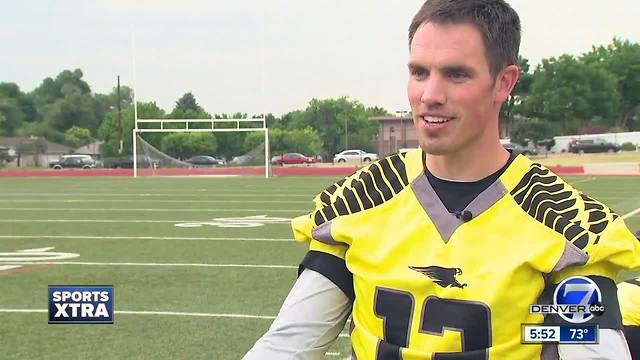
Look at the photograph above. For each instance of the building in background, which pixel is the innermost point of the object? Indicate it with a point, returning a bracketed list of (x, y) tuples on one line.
[(395, 133), (33, 151)]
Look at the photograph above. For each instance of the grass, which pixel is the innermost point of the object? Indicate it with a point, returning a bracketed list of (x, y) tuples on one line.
[(143, 213)]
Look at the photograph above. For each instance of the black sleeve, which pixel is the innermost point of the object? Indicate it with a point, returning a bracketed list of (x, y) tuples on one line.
[(610, 319), (331, 267), (632, 334)]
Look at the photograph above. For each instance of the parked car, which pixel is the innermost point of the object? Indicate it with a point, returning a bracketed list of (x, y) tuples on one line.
[(529, 150), (292, 158), (143, 161), (592, 146), (73, 162), (354, 156), (205, 160)]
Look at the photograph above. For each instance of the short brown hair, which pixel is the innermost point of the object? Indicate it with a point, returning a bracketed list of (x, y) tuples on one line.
[(497, 22)]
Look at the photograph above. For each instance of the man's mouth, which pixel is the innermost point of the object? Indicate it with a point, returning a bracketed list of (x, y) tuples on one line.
[(436, 119)]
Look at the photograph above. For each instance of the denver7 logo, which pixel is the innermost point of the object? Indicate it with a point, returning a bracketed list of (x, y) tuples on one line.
[(582, 291)]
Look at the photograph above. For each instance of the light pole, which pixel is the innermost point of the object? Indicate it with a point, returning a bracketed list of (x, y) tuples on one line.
[(120, 120), (346, 132)]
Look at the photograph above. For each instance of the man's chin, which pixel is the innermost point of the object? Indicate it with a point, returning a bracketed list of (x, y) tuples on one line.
[(435, 149)]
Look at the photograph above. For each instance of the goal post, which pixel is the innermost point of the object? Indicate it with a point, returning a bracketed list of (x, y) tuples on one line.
[(199, 126)]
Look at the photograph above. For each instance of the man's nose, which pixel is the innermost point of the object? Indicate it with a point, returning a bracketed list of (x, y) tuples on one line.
[(433, 92)]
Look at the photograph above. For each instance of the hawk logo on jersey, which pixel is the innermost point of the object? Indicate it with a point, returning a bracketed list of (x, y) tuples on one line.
[(442, 276)]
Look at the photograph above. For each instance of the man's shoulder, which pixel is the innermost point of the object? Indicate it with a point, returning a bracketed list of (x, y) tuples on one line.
[(369, 187), (553, 202)]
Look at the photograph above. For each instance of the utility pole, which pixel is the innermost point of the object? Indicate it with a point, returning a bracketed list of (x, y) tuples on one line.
[(346, 132), (120, 119)]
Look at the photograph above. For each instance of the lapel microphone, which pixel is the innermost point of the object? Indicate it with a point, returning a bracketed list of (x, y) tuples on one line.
[(464, 215)]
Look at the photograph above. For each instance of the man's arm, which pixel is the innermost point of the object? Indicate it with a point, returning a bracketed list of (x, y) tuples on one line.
[(311, 318), (612, 346)]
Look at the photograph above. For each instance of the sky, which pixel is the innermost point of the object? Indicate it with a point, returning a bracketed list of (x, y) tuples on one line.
[(263, 56)]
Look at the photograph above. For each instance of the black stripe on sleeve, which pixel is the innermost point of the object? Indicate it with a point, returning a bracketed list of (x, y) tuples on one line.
[(331, 267), (325, 198), (329, 213), (352, 201), (390, 175), (358, 186), (379, 180), (374, 194), (400, 168), (341, 207)]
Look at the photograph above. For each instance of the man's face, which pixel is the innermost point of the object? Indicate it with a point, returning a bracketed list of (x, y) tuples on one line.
[(451, 90)]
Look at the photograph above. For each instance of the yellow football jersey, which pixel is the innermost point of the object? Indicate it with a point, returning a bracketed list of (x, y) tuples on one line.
[(629, 298), (426, 283)]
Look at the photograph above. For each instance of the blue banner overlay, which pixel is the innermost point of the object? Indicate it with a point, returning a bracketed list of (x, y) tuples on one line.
[(80, 304), (561, 334), (579, 334)]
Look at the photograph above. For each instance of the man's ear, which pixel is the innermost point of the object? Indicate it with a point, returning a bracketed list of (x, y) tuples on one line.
[(505, 82)]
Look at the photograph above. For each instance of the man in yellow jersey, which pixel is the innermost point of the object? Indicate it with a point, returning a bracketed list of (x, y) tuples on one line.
[(439, 252), (629, 298)]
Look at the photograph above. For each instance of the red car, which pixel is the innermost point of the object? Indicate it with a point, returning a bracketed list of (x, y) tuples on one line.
[(292, 158)]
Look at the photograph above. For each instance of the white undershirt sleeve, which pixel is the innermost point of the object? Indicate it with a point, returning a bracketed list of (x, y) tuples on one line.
[(311, 318), (611, 346)]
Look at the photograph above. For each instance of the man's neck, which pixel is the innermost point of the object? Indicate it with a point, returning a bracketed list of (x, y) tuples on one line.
[(472, 165)]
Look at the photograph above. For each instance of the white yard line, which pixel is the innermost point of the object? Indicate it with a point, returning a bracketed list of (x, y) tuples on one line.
[(630, 214), (83, 237), (157, 201), (168, 313), (145, 209), (190, 194), (8, 267), (583, 180), (101, 221), (150, 264)]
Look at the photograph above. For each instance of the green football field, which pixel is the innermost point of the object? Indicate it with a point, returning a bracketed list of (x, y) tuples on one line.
[(199, 265)]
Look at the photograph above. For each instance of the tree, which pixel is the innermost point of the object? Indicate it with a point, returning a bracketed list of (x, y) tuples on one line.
[(622, 59), (66, 83), (513, 105), (12, 114), (66, 101), (77, 136), (185, 145), (232, 144), (74, 109), (338, 122), (25, 102), (276, 141), (306, 141), (16, 108), (109, 130), (104, 103), (41, 130), (3, 119), (536, 130), (187, 108), (571, 93), (188, 103)]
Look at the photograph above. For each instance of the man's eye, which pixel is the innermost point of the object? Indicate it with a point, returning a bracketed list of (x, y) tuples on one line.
[(458, 75), (418, 73)]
